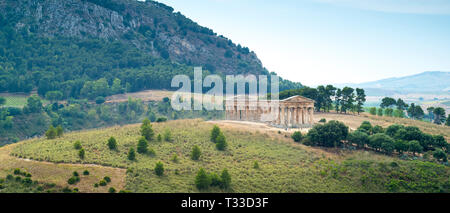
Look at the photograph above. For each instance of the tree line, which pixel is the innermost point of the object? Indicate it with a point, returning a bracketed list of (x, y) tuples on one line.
[(329, 98)]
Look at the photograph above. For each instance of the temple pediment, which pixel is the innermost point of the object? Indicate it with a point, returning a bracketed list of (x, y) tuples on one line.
[(298, 98)]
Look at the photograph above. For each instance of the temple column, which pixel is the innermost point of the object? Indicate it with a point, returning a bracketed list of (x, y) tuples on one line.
[(282, 116), (311, 114), (295, 116), (303, 115)]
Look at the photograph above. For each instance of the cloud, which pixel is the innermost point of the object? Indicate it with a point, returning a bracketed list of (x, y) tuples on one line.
[(441, 7)]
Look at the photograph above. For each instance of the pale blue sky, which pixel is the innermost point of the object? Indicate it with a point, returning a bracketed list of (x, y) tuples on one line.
[(333, 41)]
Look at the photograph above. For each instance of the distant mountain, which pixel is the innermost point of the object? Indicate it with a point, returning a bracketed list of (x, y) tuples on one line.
[(426, 82)]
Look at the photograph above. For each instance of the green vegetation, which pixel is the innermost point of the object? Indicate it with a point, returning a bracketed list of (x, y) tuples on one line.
[(297, 136), (345, 100), (196, 152), (159, 169), (282, 166), (112, 143)]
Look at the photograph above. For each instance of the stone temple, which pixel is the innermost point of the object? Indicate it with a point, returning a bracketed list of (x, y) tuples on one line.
[(293, 112)]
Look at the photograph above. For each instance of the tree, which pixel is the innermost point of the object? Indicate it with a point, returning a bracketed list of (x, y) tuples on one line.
[(221, 143), (328, 135), (440, 155), (447, 123), (112, 143), (131, 154), (142, 146), (81, 153), (365, 127), (53, 96), (380, 112), (159, 168), (338, 99), (401, 105), (34, 104), (415, 147), (389, 112), (116, 87), (347, 99), (440, 142), (377, 129), (388, 146), (100, 100), (195, 154), (430, 113), (297, 136), (387, 102), (225, 178), (373, 110), (415, 112), (376, 141), (202, 180), (399, 113), (214, 133), (2, 101), (401, 146), (51, 133), (393, 129), (360, 99), (147, 130), (439, 115), (59, 131), (359, 138)]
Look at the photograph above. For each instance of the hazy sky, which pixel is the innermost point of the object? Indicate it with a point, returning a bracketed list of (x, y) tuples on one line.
[(333, 41)]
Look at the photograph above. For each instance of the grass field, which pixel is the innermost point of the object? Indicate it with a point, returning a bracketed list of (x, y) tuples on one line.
[(284, 165), (17, 99)]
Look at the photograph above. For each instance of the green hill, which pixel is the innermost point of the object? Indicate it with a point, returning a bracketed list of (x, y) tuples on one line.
[(284, 166)]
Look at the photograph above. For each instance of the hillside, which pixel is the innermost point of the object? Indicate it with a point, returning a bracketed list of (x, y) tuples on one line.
[(284, 166), (426, 82), (108, 47)]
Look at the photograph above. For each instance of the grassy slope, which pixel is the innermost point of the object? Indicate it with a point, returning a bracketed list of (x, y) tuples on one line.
[(284, 165)]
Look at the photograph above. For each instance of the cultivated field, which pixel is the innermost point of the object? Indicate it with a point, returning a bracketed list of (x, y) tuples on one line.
[(284, 166)]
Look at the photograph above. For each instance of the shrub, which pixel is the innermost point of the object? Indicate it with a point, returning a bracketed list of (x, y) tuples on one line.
[(323, 120), (373, 110), (214, 133), (107, 179), (81, 153), (59, 131), (72, 180), (365, 127), (256, 165), (221, 143), (100, 100), (112, 190), (112, 143), (86, 172), (102, 183), (75, 174), (77, 145), (51, 133), (161, 119), (440, 155), (225, 179), (202, 180), (377, 129), (159, 138), (393, 129), (147, 130), (159, 169), (131, 154), (17, 171), (142, 146), (215, 179), (195, 154), (167, 135), (359, 138), (297, 136), (328, 135), (96, 185), (174, 158)]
